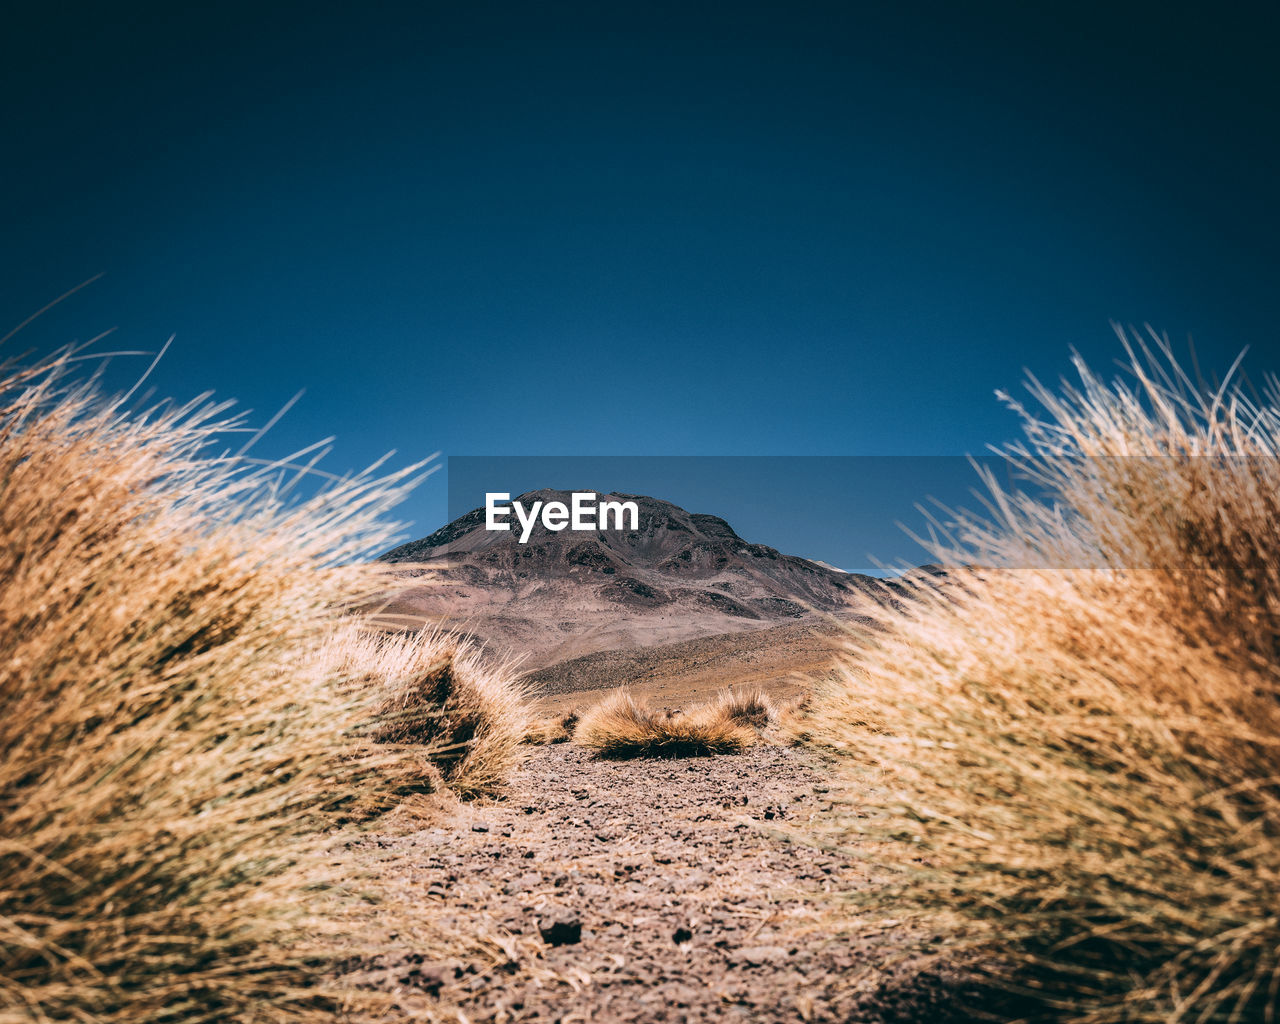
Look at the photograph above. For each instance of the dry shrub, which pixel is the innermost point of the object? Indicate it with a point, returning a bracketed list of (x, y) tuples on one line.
[(435, 693), (620, 726), (1080, 741), (170, 752), (750, 706)]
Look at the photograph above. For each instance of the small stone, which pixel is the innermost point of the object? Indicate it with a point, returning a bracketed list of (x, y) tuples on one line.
[(478, 827), (681, 936), (561, 929)]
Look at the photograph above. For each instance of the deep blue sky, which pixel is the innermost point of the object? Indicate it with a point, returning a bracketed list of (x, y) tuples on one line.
[(639, 228)]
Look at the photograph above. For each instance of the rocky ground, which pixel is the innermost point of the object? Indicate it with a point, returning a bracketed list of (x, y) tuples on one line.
[(648, 891)]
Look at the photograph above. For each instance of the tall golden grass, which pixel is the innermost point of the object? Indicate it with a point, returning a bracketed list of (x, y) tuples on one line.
[(1076, 735), (172, 749)]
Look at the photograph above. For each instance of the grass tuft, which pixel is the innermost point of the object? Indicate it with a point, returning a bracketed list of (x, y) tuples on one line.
[(751, 707), (621, 727), (558, 729), (435, 691), (1078, 742)]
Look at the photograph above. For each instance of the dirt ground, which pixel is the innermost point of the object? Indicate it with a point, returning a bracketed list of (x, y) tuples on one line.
[(645, 891)]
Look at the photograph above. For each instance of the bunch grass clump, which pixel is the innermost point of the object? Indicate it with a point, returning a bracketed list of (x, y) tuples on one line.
[(749, 706), (170, 754), (620, 726), (556, 729), (436, 694), (1074, 735)]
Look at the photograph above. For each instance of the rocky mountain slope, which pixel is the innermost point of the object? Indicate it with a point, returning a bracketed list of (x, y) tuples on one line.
[(680, 575)]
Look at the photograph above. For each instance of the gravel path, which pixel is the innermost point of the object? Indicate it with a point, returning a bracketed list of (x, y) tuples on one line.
[(648, 891)]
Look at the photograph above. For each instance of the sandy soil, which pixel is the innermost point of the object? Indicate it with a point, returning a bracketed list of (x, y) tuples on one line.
[(647, 891)]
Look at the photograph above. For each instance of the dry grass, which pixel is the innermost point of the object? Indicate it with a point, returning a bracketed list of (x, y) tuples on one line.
[(794, 716), (558, 729), (173, 751), (620, 726), (1079, 744), (750, 706), (436, 692)]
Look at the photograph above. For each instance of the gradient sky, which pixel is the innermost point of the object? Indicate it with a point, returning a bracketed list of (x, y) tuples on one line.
[(639, 228)]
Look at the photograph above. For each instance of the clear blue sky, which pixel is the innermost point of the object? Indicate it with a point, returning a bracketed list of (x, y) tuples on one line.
[(639, 228)]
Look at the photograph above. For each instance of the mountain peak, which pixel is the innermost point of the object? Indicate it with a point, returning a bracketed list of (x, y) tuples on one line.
[(655, 518), (678, 574)]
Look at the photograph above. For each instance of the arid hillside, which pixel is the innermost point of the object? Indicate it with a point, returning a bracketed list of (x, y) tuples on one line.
[(563, 595), (783, 660)]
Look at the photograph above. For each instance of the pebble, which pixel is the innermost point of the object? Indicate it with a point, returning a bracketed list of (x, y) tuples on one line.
[(561, 929)]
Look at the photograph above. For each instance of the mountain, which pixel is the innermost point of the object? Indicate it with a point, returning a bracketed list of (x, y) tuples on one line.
[(678, 576)]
